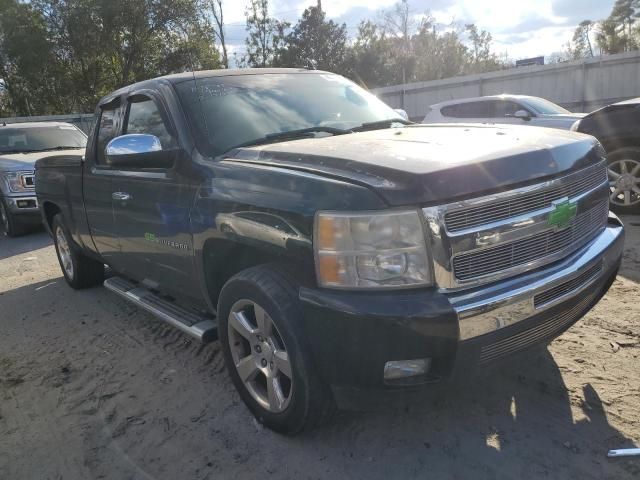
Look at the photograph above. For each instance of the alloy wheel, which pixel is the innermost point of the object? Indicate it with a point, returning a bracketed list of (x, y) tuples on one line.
[(624, 182), (260, 356), (64, 251)]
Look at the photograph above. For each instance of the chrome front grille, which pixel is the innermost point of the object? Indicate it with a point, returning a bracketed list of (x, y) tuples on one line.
[(488, 261), (576, 184), (498, 236)]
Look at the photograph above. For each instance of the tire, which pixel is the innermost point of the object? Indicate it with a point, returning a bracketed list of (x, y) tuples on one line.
[(300, 400), (79, 270), (9, 225), (624, 178)]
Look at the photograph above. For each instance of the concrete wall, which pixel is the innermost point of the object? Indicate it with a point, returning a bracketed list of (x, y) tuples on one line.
[(81, 120), (580, 86)]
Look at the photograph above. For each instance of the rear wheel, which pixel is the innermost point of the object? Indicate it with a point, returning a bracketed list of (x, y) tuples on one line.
[(266, 354), (79, 270), (9, 225), (624, 180)]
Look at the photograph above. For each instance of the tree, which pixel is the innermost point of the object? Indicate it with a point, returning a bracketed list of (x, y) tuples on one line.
[(61, 56), (581, 47), (481, 57), (265, 34), (624, 15), (314, 42), (370, 58), (616, 34), (218, 18), (608, 39), (399, 25)]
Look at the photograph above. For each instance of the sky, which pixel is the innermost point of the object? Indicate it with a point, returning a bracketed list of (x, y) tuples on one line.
[(521, 28)]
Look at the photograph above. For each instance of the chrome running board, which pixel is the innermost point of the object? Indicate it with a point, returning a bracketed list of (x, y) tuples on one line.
[(197, 325)]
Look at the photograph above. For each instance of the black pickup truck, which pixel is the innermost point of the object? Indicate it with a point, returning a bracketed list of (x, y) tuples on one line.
[(327, 241)]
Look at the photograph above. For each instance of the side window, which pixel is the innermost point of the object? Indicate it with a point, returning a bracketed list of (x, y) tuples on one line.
[(449, 111), (107, 129), (505, 108), (144, 117), (473, 110)]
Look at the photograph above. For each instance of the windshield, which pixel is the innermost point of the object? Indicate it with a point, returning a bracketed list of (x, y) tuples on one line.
[(34, 139), (545, 107), (236, 110)]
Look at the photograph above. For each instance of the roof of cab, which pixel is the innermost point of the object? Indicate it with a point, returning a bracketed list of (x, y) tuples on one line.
[(176, 78)]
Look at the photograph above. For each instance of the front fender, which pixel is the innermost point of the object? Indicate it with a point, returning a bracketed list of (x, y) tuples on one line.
[(269, 210)]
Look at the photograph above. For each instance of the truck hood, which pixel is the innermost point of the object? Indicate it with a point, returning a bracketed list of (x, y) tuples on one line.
[(27, 161), (430, 164)]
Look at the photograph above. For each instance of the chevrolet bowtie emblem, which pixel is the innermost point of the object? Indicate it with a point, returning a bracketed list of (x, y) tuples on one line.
[(563, 212)]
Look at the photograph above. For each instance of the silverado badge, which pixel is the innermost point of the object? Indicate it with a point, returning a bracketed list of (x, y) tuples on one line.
[(563, 212)]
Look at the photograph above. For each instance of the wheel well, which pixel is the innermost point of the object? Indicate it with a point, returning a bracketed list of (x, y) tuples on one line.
[(50, 211), (616, 144), (224, 258)]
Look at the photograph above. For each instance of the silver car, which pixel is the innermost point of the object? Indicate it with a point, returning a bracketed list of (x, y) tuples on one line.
[(512, 109), (21, 145)]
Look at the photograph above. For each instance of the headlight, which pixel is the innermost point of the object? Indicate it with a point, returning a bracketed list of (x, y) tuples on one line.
[(371, 250), (574, 126), (14, 182)]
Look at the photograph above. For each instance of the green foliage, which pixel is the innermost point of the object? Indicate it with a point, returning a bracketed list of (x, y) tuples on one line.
[(61, 56), (616, 33), (265, 35), (314, 42), (580, 46), (399, 50)]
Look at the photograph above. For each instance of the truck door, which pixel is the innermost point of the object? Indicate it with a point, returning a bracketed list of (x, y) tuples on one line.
[(97, 182), (152, 208)]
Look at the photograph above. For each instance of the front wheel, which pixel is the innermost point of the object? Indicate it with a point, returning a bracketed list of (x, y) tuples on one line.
[(265, 351), (624, 180), (79, 270)]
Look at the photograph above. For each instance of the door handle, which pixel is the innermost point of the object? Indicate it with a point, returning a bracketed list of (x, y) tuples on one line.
[(121, 196)]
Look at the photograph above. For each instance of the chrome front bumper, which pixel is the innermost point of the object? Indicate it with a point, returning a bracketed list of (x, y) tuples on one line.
[(506, 303)]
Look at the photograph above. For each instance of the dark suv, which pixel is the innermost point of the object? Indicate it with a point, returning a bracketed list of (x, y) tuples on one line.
[(617, 127)]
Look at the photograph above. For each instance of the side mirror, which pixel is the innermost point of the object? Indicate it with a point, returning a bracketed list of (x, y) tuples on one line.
[(402, 113), (138, 150), (522, 115)]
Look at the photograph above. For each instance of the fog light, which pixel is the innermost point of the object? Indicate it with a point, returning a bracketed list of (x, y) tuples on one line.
[(397, 370)]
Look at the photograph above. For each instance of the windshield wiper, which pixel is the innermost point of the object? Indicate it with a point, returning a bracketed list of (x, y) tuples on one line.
[(381, 124), (292, 135)]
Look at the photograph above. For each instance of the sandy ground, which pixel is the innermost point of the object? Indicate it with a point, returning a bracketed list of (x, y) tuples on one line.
[(91, 387)]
